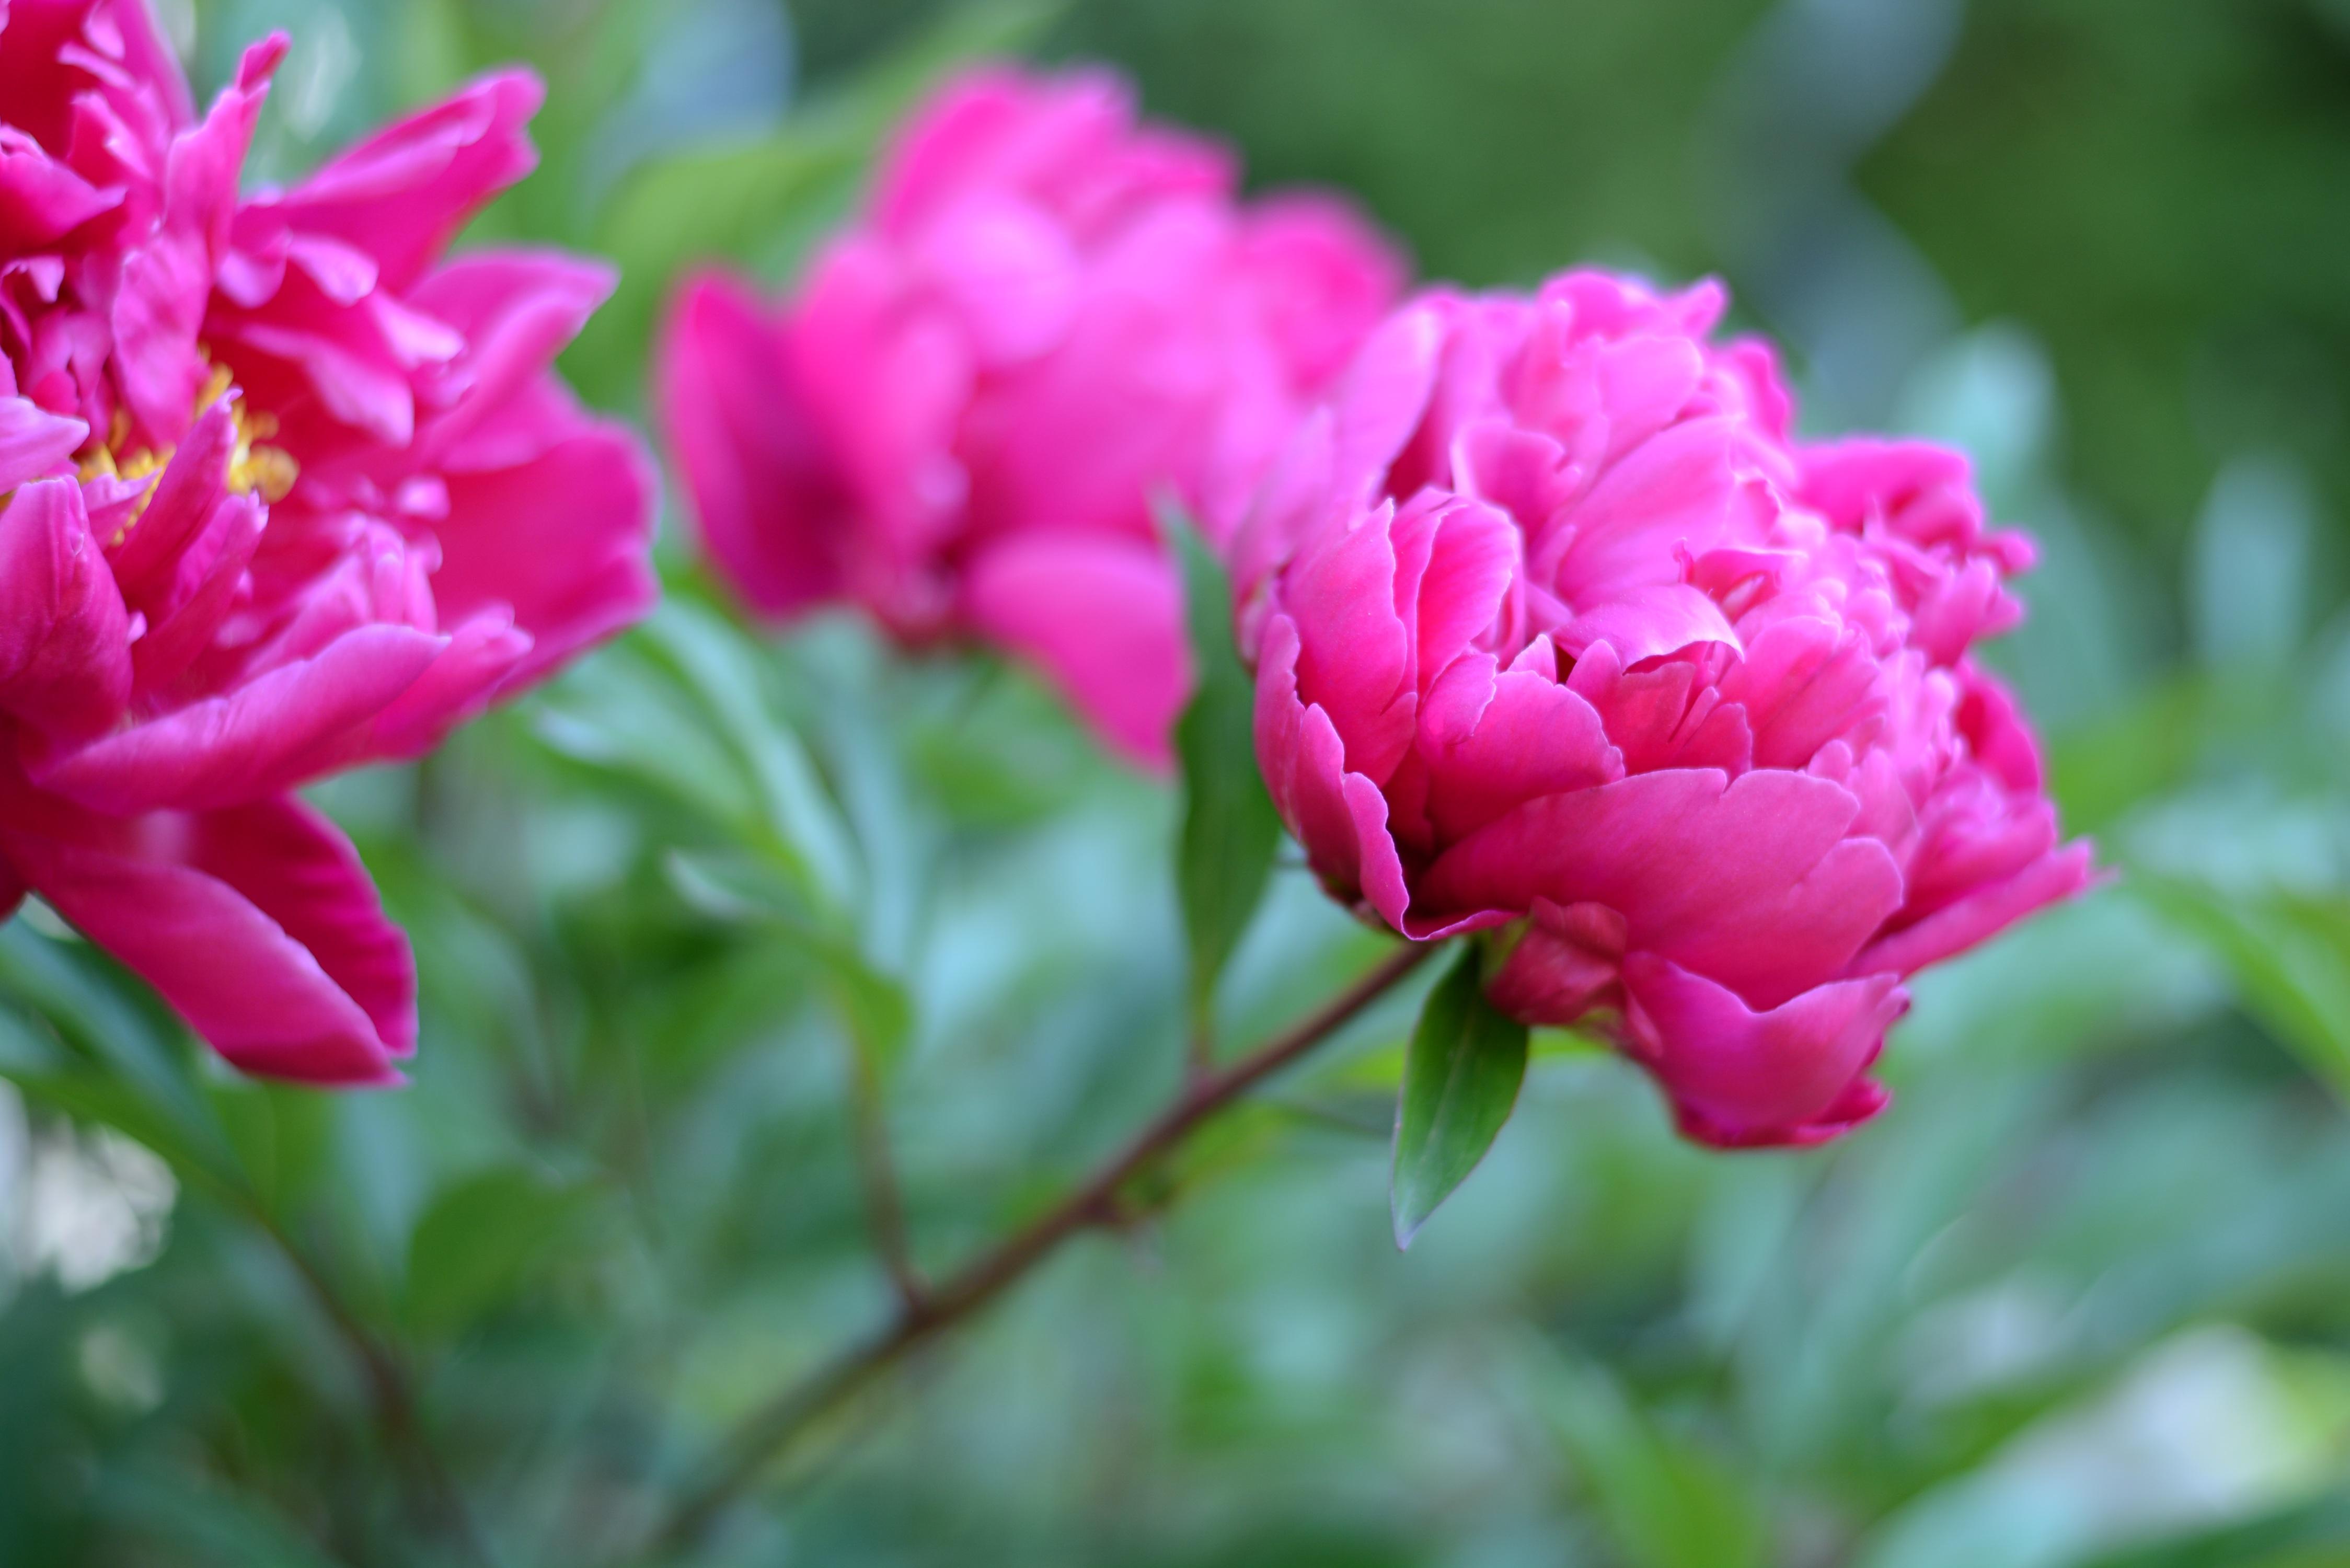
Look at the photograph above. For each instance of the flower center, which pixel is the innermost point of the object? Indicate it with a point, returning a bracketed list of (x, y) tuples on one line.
[(253, 466)]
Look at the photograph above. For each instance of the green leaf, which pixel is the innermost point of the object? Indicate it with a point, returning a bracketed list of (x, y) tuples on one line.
[(108, 1059), (280, 1134), (485, 1240), (1231, 831), (624, 715), (1461, 1078), (2287, 953), (722, 669), (735, 891), (202, 1524), (2315, 1535), (1666, 1502)]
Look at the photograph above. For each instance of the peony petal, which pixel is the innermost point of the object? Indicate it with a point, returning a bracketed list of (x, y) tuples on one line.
[(1672, 492), (1385, 394), (1750, 882), (1008, 270), (1493, 741), (266, 736), (65, 655), (1984, 914), (258, 925), (40, 198), (772, 502), (1565, 963), (1647, 622), (558, 545), (1103, 617), (513, 311), (1742, 1078), (1354, 649), (401, 194), (33, 441)]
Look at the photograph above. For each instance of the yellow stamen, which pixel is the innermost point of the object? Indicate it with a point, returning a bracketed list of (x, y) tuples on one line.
[(252, 466)]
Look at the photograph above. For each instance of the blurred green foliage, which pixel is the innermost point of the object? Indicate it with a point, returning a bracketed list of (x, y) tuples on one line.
[(2081, 1298)]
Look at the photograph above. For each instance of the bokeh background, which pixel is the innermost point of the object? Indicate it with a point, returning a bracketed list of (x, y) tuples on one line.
[(2081, 1298)]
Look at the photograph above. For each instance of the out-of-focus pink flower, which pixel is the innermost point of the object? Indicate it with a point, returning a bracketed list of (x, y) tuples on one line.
[(281, 492), (1047, 313), (1562, 637)]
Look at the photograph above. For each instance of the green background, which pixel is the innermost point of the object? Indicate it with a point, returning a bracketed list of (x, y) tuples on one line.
[(2081, 1298)]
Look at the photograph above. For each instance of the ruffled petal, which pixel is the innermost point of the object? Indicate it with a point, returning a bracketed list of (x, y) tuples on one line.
[(771, 504), (65, 638), (1103, 617), (268, 736), (258, 924), (1741, 1077)]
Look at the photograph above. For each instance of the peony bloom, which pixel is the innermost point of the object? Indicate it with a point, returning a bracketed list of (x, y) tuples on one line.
[(1047, 315), (1563, 638), (281, 493)]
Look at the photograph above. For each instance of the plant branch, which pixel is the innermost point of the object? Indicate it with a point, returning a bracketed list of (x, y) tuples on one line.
[(885, 1208), (1093, 1202), (387, 1388)]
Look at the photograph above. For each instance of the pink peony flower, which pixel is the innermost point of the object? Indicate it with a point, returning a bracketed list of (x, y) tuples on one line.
[(281, 493), (1562, 637), (1047, 315)]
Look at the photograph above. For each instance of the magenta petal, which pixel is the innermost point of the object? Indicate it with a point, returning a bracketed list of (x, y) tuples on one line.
[(401, 194), (1103, 616), (1494, 741), (298, 868), (771, 503), (268, 736), (1752, 882), (1984, 914), (1674, 490), (65, 656), (558, 543), (478, 663), (1385, 393), (1354, 649), (157, 311), (1743, 1077), (1008, 270), (1344, 815), (40, 198), (1565, 963), (33, 441), (187, 628), (1471, 564), (515, 311), (180, 506), (258, 925), (1645, 622), (1340, 819)]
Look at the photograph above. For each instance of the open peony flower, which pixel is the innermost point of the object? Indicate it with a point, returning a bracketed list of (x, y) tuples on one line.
[(1562, 637), (281, 493), (1047, 315)]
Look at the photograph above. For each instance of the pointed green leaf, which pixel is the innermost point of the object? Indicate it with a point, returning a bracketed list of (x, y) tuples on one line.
[(722, 668), (1461, 1078), (1665, 1500), (1230, 830), (486, 1241), (735, 891)]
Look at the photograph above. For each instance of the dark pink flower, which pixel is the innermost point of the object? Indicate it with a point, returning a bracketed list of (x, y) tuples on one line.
[(1562, 637), (1047, 315), (281, 493)]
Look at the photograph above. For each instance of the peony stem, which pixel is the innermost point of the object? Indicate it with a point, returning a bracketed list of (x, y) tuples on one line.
[(1093, 1202), (433, 1489), (885, 1210)]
